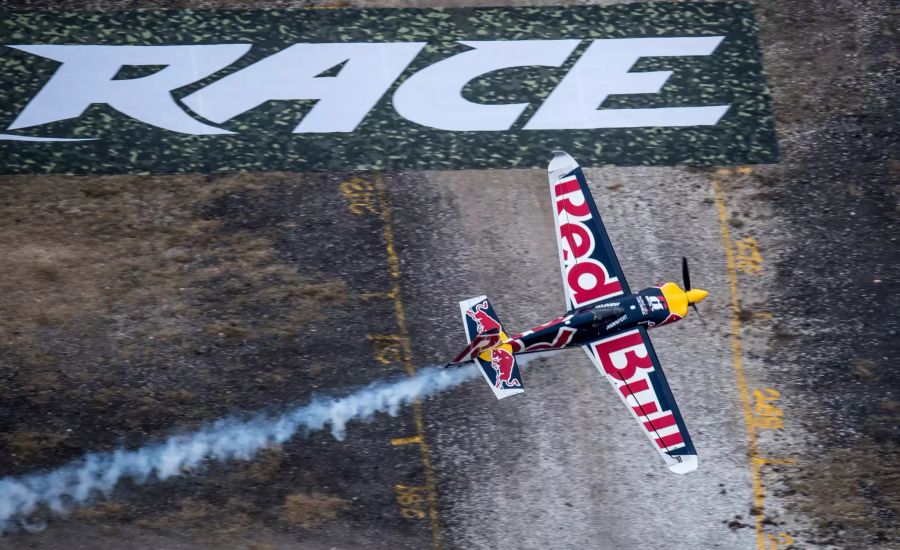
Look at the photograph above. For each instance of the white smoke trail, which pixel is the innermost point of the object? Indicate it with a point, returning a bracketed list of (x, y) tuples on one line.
[(98, 473)]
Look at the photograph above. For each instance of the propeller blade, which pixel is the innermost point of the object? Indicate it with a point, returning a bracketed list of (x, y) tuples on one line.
[(702, 320), (685, 274)]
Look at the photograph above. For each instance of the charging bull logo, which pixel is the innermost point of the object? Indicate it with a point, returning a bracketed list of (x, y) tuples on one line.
[(503, 363), (483, 320)]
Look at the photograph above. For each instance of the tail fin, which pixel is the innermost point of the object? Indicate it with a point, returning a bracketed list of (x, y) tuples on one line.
[(482, 342), (485, 334)]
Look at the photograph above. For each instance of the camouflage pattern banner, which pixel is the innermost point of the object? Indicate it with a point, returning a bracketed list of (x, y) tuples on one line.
[(165, 91)]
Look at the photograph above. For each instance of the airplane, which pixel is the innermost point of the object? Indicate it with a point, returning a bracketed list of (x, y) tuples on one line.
[(604, 318)]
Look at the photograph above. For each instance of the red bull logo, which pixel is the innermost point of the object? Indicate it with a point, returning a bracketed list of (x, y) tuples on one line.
[(482, 318), (503, 363), (627, 361), (587, 277)]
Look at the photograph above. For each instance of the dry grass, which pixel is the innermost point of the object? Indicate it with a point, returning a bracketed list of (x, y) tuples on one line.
[(86, 250), (130, 262), (31, 445), (310, 510), (129, 305), (264, 468), (99, 511), (217, 524)]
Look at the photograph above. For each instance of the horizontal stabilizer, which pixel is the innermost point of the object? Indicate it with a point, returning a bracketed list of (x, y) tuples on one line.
[(496, 362)]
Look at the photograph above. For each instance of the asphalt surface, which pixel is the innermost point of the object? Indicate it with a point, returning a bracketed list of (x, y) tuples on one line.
[(561, 466)]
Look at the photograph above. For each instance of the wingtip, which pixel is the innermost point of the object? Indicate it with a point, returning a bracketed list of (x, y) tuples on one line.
[(687, 464), (466, 304), (503, 394), (561, 162)]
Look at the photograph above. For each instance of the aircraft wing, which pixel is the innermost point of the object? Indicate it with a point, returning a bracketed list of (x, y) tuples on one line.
[(590, 269), (628, 361)]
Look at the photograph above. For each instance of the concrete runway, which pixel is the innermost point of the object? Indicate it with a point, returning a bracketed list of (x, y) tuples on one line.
[(563, 465), (767, 384)]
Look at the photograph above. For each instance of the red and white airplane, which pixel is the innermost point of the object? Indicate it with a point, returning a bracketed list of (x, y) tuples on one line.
[(604, 317)]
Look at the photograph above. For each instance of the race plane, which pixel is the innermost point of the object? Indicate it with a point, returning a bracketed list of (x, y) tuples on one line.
[(604, 317)]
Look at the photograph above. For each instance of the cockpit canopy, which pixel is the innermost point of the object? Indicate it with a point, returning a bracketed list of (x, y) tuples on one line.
[(605, 313)]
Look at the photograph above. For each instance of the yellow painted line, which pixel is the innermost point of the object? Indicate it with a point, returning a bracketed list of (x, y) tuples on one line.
[(759, 495), (397, 441), (394, 269), (373, 295), (775, 461)]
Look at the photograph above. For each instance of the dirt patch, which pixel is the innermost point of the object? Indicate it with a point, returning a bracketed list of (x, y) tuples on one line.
[(311, 510), (853, 507), (32, 445), (145, 306), (217, 524), (132, 308), (139, 249)]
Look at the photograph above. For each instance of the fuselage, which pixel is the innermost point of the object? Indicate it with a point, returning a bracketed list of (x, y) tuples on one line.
[(651, 307)]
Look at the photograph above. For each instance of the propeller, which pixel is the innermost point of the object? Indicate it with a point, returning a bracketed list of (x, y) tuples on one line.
[(686, 277), (685, 274)]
